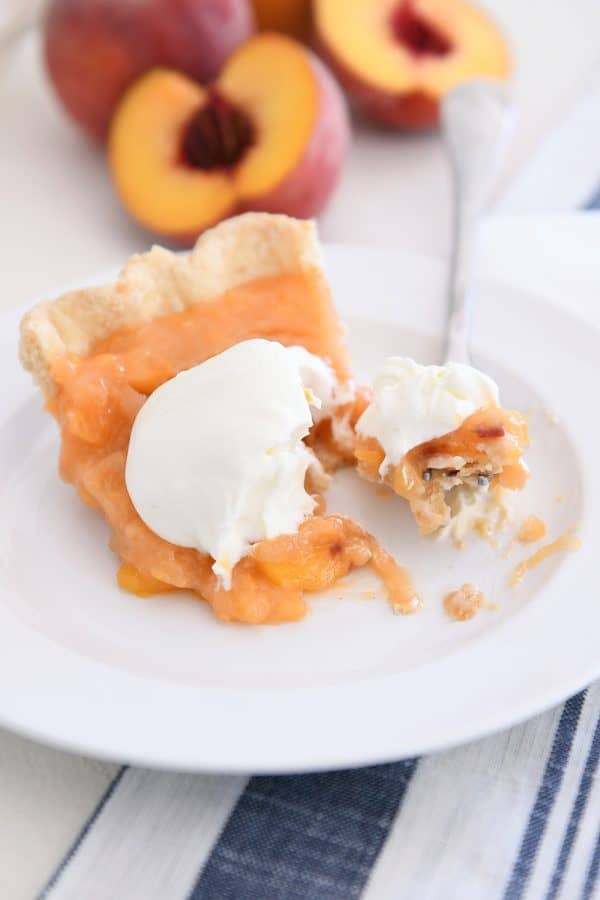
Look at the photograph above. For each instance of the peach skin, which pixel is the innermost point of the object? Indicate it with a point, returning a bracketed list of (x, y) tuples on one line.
[(397, 58), (95, 48), (270, 134)]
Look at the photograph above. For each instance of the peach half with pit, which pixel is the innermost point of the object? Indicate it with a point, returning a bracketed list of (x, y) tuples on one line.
[(270, 134), (397, 58)]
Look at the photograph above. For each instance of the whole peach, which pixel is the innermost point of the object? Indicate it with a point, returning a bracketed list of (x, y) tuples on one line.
[(95, 48)]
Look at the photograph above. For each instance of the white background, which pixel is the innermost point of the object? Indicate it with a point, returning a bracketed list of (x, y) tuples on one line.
[(60, 221)]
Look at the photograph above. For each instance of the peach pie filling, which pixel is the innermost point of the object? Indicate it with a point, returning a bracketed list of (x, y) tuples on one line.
[(98, 397), (484, 452)]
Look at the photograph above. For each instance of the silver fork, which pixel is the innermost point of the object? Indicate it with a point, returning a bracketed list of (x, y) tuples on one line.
[(477, 122)]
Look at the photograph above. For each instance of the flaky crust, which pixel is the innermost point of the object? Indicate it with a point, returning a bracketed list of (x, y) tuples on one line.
[(253, 245)]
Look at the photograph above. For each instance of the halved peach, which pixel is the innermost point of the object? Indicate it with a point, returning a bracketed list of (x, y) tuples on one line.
[(270, 134), (397, 58)]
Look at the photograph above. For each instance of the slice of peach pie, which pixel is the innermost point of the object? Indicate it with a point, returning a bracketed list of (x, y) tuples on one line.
[(199, 399), (439, 438)]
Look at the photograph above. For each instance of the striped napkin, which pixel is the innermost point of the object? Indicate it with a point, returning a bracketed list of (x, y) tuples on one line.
[(513, 816)]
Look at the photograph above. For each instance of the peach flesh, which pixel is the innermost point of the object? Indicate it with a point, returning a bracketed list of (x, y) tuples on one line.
[(415, 33), (412, 111), (304, 192)]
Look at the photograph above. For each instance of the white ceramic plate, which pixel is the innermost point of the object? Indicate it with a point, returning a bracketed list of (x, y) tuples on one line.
[(161, 682)]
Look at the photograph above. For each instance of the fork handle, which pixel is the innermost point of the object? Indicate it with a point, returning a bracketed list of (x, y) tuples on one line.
[(477, 120)]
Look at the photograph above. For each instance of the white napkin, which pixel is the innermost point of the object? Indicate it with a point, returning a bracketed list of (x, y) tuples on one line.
[(554, 256)]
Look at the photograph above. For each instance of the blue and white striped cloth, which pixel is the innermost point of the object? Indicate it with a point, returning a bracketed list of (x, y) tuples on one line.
[(512, 816), (515, 816)]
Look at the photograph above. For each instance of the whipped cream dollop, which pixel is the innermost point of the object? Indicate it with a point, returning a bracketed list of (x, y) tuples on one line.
[(216, 459), (318, 378), (412, 404)]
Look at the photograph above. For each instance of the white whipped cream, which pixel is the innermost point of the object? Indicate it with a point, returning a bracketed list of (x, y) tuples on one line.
[(412, 404), (216, 459), (319, 379)]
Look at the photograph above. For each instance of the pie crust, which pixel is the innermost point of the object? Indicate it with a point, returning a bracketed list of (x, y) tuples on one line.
[(73, 346), (159, 282)]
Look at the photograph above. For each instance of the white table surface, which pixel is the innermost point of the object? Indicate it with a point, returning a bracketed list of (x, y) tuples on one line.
[(60, 221)]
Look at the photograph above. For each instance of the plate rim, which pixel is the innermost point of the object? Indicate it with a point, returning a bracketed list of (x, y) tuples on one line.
[(490, 724)]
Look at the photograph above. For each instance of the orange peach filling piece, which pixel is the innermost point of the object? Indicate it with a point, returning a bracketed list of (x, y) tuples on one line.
[(324, 550), (268, 585), (98, 397), (487, 446)]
